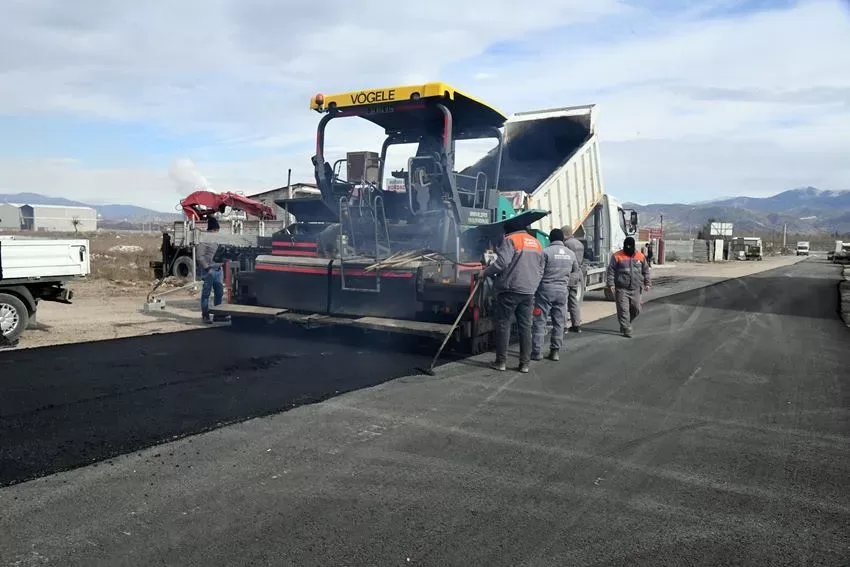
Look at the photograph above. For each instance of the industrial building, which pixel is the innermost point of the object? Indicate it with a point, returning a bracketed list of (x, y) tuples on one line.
[(10, 216), (58, 218), (297, 190)]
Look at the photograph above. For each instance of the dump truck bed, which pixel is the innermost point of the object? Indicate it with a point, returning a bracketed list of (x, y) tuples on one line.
[(551, 160)]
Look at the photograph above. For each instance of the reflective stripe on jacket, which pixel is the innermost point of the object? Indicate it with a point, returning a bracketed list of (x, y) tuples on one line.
[(518, 265), (628, 272)]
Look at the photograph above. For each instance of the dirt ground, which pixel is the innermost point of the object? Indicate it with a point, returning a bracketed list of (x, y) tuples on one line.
[(103, 310)]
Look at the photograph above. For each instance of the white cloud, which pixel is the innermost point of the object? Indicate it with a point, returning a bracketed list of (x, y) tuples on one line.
[(688, 108)]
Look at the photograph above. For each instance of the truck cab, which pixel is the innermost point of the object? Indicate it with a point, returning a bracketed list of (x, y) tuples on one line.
[(802, 248)]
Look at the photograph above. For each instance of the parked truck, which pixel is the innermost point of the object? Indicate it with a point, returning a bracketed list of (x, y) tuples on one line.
[(841, 253), (803, 248), (34, 270), (746, 248)]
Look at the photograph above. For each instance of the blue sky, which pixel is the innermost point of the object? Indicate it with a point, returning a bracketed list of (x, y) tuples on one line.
[(696, 99)]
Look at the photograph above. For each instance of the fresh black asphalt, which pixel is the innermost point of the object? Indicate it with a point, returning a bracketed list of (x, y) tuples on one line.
[(719, 435)]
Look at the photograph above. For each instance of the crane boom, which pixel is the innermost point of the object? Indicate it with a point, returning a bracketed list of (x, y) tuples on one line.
[(200, 205)]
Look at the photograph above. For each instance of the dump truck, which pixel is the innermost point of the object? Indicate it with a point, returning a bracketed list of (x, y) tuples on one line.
[(34, 270), (551, 161), (404, 261)]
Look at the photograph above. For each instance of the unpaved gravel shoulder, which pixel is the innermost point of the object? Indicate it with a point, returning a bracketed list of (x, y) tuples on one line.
[(103, 310)]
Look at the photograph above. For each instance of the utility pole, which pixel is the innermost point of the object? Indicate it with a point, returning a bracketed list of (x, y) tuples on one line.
[(785, 236), (288, 193)]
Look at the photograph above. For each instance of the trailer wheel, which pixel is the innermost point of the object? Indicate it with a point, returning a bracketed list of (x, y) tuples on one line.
[(14, 317), (182, 267)]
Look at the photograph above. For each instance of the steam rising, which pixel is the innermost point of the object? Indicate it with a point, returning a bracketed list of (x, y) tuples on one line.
[(186, 177)]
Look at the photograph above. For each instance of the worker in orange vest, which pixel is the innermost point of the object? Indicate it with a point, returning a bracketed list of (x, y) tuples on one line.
[(628, 275), (517, 269)]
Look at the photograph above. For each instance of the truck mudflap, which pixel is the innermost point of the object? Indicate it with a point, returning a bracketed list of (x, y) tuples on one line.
[(310, 320)]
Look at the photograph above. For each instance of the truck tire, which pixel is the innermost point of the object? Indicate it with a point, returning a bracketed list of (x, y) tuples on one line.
[(14, 318), (580, 290), (182, 267)]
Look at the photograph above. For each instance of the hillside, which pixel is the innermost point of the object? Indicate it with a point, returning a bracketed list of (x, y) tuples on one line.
[(806, 210), (130, 213)]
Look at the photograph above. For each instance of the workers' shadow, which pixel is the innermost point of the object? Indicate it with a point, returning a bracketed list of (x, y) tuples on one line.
[(186, 310), (168, 315), (597, 331)]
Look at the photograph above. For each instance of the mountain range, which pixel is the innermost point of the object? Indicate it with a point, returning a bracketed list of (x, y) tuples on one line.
[(806, 210), (130, 213)]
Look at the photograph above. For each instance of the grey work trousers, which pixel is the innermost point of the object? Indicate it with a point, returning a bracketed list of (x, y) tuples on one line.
[(628, 306), (510, 305), (573, 307), (552, 306)]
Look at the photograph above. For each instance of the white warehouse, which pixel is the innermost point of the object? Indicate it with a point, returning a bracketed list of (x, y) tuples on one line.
[(58, 218), (10, 216)]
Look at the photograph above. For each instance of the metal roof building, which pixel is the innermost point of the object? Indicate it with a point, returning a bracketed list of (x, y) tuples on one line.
[(298, 190), (58, 218)]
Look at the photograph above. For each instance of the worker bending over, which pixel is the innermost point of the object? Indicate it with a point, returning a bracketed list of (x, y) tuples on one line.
[(550, 301), (517, 269), (628, 274), (573, 306)]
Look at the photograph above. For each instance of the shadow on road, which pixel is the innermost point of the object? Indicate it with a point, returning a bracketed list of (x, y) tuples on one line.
[(767, 293)]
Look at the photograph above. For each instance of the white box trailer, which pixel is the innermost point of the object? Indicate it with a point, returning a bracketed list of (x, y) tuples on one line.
[(550, 161), (36, 269)]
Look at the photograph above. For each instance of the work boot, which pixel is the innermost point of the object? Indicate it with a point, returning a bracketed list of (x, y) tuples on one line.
[(500, 365), (554, 355), (575, 329), (627, 332), (536, 356), (523, 367)]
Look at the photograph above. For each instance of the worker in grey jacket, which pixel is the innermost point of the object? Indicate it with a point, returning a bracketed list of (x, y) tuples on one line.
[(628, 275), (550, 301), (517, 270), (210, 272), (573, 305)]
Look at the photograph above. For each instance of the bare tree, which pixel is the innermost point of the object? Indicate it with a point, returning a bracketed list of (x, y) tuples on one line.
[(76, 222)]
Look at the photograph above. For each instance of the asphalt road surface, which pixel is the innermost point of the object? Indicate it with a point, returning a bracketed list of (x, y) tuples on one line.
[(719, 435)]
